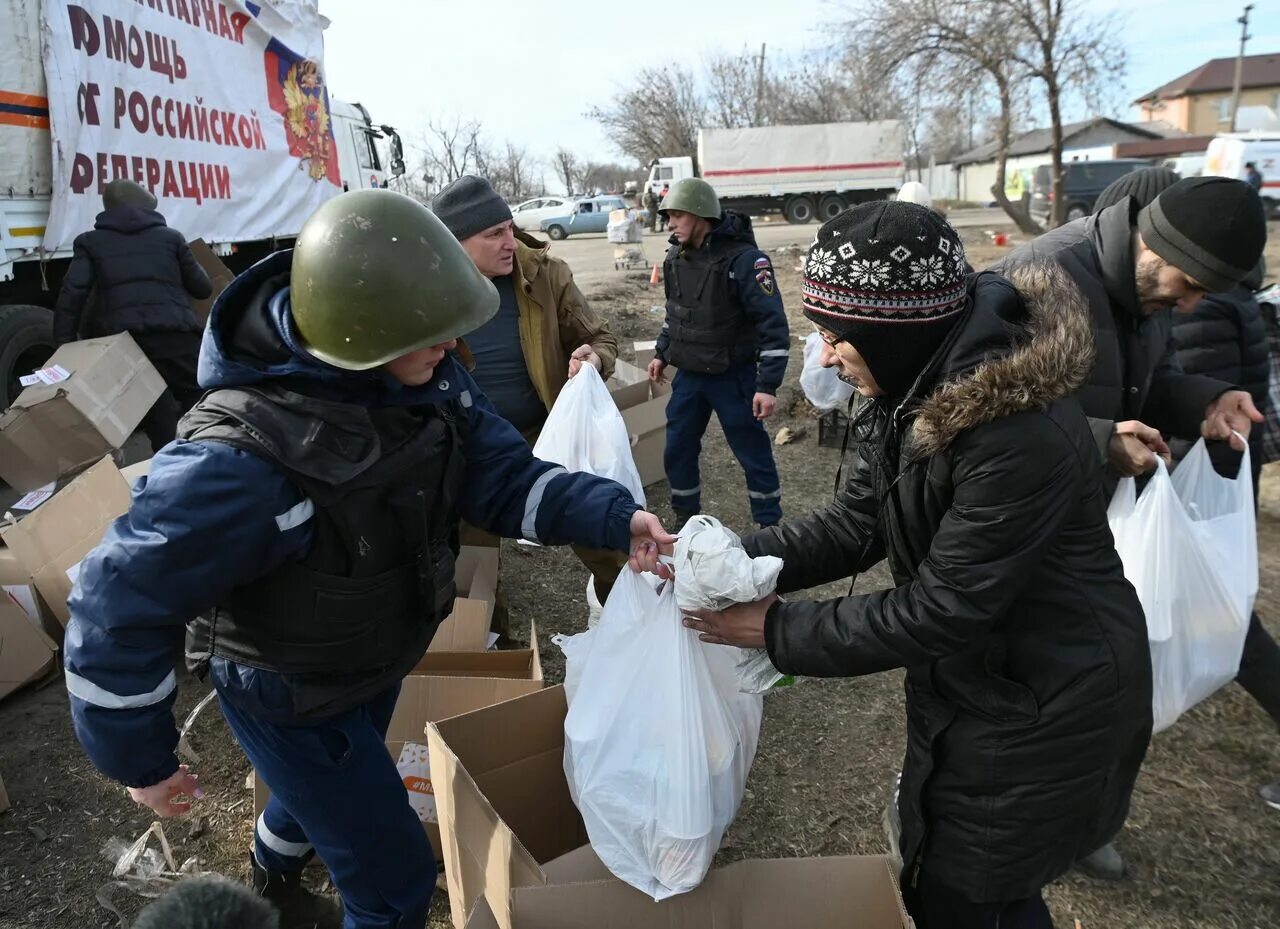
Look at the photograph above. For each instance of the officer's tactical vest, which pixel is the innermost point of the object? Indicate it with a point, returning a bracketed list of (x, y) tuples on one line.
[(358, 612), (707, 326)]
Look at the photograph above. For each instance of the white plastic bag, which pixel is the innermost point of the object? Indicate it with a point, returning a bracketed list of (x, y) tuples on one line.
[(712, 572), (820, 385), (1189, 549), (658, 740), (585, 432)]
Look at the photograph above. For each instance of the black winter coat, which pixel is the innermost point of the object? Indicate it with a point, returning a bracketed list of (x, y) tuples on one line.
[(143, 273), (1137, 375), (1224, 338), (1028, 673)]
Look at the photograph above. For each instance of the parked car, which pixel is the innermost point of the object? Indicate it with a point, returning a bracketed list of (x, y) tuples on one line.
[(1082, 181), (530, 214), (588, 215)]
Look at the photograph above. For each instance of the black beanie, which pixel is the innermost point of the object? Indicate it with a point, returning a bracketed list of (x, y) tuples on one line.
[(1211, 228), (1143, 185), (889, 278), (469, 205)]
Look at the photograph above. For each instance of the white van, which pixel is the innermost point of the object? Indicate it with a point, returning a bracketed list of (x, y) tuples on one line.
[(1228, 154)]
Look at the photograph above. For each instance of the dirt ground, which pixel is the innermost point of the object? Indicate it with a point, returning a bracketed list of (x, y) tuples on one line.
[(1204, 850)]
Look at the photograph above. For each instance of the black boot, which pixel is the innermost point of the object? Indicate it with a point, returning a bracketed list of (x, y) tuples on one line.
[(299, 908)]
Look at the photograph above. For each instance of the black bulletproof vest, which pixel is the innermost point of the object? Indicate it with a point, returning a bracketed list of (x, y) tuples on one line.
[(709, 331), (355, 614)]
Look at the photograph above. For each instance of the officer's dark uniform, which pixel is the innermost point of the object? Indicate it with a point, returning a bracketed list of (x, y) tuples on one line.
[(726, 333)]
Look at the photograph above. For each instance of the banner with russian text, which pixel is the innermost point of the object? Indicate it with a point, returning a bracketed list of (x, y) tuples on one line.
[(219, 107)]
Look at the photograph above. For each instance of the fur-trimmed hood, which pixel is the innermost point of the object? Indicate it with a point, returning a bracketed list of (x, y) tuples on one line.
[(1051, 358)]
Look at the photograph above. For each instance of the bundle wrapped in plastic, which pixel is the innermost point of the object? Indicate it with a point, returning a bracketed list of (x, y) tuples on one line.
[(713, 571), (658, 739)]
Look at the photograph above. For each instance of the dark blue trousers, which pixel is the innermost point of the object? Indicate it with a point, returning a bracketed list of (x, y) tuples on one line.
[(693, 398), (334, 791)]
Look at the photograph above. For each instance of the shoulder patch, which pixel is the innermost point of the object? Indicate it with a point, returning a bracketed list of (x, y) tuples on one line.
[(764, 275)]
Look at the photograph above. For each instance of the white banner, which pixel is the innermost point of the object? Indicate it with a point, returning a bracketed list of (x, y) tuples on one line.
[(219, 107)]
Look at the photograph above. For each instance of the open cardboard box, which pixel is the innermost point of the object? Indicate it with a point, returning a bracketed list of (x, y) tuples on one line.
[(59, 428), (514, 839), (26, 653), (643, 405), (466, 629), (51, 542), (812, 893), (447, 684)]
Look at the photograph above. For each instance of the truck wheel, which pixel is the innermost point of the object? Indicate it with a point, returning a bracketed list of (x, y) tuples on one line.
[(799, 210), (556, 233), (1077, 211), (830, 206), (26, 342)]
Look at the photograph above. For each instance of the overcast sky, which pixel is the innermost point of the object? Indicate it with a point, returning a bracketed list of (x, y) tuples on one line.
[(529, 71)]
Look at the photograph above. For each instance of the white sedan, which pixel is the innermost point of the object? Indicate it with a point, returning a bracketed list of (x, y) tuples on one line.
[(530, 214)]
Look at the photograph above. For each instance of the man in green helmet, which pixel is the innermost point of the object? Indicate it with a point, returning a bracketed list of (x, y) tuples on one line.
[(307, 518), (727, 334)]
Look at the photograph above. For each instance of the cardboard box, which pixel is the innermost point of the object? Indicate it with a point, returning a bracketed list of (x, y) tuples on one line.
[(644, 409), (52, 541), (219, 275), (645, 352), (138, 469), (56, 429), (813, 893), (516, 852), (466, 629), (15, 581), (26, 653), (447, 684)]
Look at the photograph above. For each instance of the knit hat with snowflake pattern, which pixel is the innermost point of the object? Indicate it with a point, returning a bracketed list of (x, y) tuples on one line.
[(889, 278)]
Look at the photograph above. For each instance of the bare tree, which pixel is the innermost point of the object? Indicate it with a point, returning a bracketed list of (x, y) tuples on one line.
[(948, 40), (737, 90), (566, 166), (510, 170), (449, 148), (1068, 48), (659, 115)]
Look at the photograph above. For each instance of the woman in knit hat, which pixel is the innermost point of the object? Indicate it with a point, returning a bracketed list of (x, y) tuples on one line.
[(1028, 674)]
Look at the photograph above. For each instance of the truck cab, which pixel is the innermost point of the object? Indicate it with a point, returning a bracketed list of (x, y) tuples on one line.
[(363, 160), (664, 172)]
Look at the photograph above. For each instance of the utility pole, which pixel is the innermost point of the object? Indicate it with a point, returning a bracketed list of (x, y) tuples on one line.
[(1235, 88), (759, 120)]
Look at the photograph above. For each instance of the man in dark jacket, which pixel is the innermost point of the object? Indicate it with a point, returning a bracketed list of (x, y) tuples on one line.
[(1224, 337), (308, 518), (1202, 235), (1135, 264), (1028, 676), (726, 333), (143, 277)]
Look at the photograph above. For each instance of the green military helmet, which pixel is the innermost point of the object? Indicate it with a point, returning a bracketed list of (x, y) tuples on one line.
[(692, 195), (124, 192), (376, 275)]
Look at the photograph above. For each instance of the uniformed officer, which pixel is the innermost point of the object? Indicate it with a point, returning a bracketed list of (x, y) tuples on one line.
[(727, 335), (308, 516)]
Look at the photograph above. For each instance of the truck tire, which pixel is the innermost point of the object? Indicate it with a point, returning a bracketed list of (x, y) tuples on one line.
[(26, 342), (799, 210), (555, 233), (830, 206)]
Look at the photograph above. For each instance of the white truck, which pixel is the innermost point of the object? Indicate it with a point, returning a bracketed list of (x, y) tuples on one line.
[(135, 80), (806, 173), (1229, 153)]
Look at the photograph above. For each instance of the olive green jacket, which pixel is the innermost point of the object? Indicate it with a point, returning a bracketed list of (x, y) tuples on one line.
[(555, 318)]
